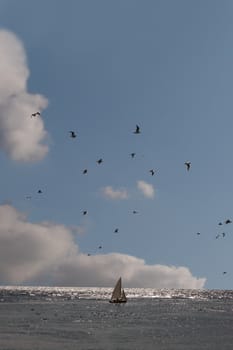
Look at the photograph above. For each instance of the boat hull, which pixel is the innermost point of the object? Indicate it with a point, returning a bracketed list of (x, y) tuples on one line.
[(117, 301)]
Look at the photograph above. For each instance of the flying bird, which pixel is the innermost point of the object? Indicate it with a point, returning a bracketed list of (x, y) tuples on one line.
[(116, 230), (35, 114), (100, 247), (85, 171), (223, 234), (152, 172), (224, 272), (188, 164), (198, 233), (228, 221), (73, 134), (39, 191), (137, 130), (99, 161), (135, 212), (220, 223), (84, 212), (133, 155)]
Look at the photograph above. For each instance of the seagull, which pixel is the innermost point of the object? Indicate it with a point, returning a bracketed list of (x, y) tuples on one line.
[(35, 114), (137, 130), (39, 191), (84, 212), (116, 230), (99, 161), (85, 171), (152, 172), (133, 155), (73, 134), (188, 164), (228, 221)]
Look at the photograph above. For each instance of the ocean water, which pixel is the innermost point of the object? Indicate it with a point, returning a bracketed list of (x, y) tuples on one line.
[(82, 318)]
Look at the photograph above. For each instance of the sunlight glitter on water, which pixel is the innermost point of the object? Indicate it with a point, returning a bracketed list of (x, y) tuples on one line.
[(72, 293)]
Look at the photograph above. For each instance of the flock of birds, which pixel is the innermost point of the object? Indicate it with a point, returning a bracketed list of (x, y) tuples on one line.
[(137, 130), (222, 234), (73, 135)]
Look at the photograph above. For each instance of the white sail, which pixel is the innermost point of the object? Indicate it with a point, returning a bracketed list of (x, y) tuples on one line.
[(116, 294)]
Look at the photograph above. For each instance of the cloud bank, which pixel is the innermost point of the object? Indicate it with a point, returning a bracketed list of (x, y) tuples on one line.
[(146, 189), (110, 193), (21, 137), (46, 254)]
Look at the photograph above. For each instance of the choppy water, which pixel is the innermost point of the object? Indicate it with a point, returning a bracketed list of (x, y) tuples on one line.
[(82, 318)]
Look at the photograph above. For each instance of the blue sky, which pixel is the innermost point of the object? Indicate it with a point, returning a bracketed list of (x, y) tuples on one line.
[(105, 66)]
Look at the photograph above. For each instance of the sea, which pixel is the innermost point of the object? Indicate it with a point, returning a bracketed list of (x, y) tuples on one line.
[(49, 318)]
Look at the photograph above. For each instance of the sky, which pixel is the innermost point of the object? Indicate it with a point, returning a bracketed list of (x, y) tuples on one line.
[(99, 68)]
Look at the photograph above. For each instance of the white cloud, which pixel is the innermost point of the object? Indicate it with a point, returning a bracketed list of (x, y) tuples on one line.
[(101, 270), (28, 249), (46, 253), (21, 136), (146, 189), (109, 192)]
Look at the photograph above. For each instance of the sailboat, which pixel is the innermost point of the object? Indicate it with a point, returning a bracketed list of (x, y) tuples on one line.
[(118, 294)]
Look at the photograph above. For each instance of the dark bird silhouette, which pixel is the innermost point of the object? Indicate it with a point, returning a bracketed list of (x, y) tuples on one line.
[(35, 114), (133, 155), (39, 191), (224, 272), (88, 254), (73, 134), (100, 247), (116, 230), (152, 172), (228, 221), (84, 212), (99, 161), (198, 233), (188, 165), (220, 223), (135, 212), (137, 130), (85, 171), (223, 234)]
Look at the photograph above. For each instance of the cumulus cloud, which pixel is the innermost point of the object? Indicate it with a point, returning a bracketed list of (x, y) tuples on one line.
[(21, 137), (101, 270), (109, 192), (28, 249), (146, 189), (46, 253)]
